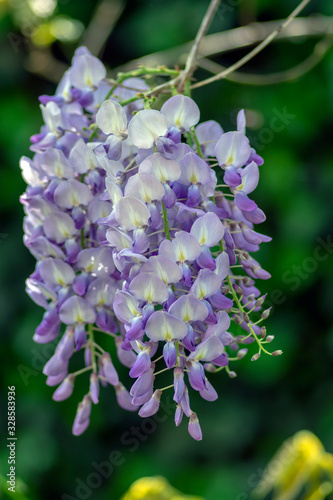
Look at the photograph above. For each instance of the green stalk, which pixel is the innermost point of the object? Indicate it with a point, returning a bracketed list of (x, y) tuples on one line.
[(197, 143), (166, 222), (92, 348), (241, 309)]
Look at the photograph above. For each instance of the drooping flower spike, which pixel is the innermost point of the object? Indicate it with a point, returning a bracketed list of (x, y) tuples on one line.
[(135, 239)]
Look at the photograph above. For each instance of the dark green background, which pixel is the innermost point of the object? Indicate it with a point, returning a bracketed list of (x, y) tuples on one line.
[(272, 398)]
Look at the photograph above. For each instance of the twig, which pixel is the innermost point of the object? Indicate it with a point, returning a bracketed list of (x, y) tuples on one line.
[(104, 19), (320, 50), (236, 38), (256, 50), (192, 56)]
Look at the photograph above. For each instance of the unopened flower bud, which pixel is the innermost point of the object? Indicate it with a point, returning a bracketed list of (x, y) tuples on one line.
[(269, 338), (178, 415), (124, 398), (232, 374), (277, 353), (209, 367), (94, 388), (237, 319), (152, 406), (256, 356), (241, 353), (109, 370), (65, 389), (194, 428), (266, 313), (263, 332), (237, 289), (260, 301)]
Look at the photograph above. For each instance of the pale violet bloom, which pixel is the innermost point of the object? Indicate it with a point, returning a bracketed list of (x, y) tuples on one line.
[(182, 248), (209, 231), (32, 175), (86, 71), (118, 239), (206, 284), (96, 261), (111, 118), (222, 265), (55, 272), (59, 227), (207, 350), (250, 179), (54, 163), (208, 133), (131, 213), (76, 310), (189, 308), (163, 326), (181, 112), (148, 287), (160, 167), (82, 157), (144, 187), (194, 170), (72, 193), (164, 268), (126, 306), (232, 152), (146, 126)]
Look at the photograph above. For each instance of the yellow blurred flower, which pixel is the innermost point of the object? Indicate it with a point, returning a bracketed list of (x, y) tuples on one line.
[(155, 488), (60, 28), (300, 469)]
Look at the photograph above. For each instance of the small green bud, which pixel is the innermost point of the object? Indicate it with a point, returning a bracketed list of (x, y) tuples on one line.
[(256, 356), (259, 301), (210, 368), (266, 313), (237, 319), (241, 353)]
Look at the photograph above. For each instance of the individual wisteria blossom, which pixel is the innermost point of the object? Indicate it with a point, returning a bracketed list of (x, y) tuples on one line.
[(136, 241)]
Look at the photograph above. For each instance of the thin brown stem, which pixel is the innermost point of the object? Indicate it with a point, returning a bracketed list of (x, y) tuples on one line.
[(319, 51), (193, 54), (256, 50)]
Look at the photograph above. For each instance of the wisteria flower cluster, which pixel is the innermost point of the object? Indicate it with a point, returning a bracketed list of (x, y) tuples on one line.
[(135, 238)]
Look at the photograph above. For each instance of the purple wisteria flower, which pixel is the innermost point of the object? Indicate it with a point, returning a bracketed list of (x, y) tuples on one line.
[(135, 239)]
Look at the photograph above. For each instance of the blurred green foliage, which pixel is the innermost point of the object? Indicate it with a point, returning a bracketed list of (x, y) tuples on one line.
[(272, 398)]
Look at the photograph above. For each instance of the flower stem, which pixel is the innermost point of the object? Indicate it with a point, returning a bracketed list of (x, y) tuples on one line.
[(83, 370), (166, 222), (92, 348), (197, 143), (241, 309), (256, 50), (165, 388)]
